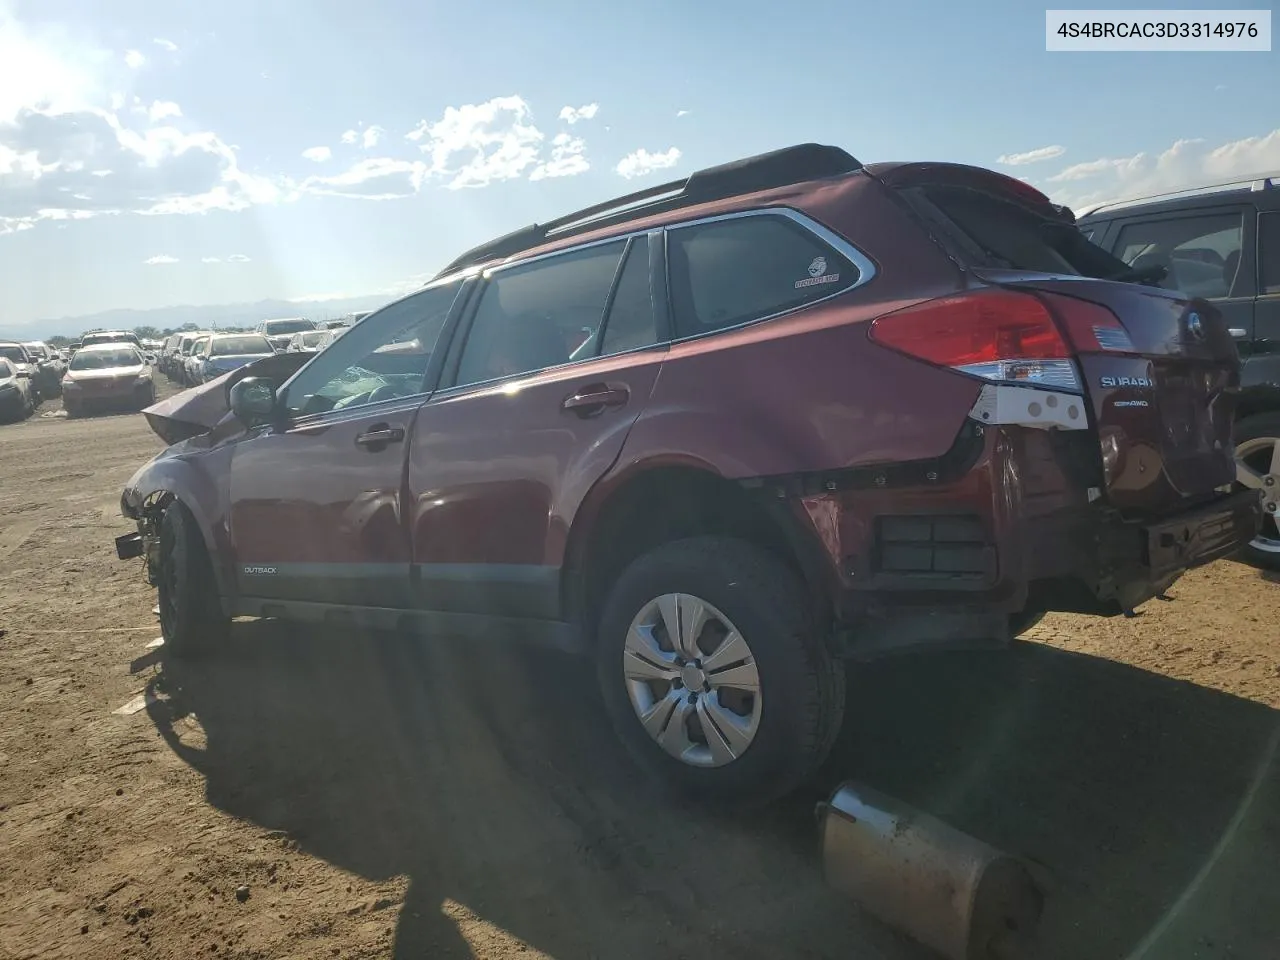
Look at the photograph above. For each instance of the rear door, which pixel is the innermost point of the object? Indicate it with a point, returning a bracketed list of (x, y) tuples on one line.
[(557, 362), (316, 503)]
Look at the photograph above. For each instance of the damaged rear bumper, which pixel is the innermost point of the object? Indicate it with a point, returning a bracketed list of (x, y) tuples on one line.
[(1011, 520)]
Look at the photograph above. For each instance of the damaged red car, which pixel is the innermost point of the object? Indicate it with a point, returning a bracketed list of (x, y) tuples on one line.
[(721, 435)]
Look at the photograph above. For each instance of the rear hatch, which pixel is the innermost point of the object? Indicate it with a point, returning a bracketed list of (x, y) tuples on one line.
[(1159, 370)]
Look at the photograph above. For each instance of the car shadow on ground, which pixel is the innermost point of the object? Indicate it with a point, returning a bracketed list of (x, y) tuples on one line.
[(489, 777)]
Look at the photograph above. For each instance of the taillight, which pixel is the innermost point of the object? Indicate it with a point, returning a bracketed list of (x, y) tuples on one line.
[(993, 334), (1090, 327)]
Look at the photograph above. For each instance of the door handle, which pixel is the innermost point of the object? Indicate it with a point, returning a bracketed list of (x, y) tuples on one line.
[(379, 436), (593, 399)]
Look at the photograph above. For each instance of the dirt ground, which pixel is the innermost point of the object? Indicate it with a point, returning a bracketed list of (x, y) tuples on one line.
[(376, 796)]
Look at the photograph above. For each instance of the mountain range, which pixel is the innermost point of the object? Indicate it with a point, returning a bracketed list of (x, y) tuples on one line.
[(204, 317)]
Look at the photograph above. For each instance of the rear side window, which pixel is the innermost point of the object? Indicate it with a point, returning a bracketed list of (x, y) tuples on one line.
[(1200, 254), (728, 272), (537, 315), (1269, 252)]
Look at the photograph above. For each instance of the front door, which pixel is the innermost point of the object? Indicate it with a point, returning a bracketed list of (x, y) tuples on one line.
[(316, 501), (556, 365)]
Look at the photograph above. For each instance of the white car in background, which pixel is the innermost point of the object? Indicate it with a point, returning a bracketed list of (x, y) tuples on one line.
[(105, 375), (308, 341), (281, 330)]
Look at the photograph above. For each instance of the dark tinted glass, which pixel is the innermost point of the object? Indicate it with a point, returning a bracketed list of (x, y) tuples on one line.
[(535, 316), (734, 271), (631, 323), (1201, 255)]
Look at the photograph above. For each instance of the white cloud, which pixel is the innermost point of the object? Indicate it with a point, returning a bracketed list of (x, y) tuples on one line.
[(88, 163), (681, 113), (317, 154), (1032, 156), (134, 59), (160, 258), (166, 44), (1186, 163), (237, 258), (350, 136), (369, 139), (377, 178), (477, 144), (641, 162), (162, 109), (572, 115), (567, 158), (36, 68)]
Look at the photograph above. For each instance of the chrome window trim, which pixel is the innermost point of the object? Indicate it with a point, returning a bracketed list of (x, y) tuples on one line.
[(865, 266)]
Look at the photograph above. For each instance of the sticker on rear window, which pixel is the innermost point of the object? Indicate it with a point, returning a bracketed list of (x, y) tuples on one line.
[(817, 274)]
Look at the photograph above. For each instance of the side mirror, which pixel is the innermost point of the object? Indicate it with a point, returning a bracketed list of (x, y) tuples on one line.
[(253, 401)]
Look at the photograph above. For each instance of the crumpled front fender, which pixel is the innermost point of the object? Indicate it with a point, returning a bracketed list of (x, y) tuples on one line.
[(190, 476)]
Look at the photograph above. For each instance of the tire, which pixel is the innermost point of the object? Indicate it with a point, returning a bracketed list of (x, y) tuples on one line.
[(800, 705), (191, 617), (73, 410), (1251, 436)]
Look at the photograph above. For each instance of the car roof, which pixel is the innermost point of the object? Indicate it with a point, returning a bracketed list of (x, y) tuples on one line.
[(666, 202), (1262, 189), (102, 347)]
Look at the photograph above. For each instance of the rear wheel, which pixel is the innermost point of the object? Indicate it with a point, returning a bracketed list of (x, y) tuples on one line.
[(191, 617), (1258, 468), (715, 674)]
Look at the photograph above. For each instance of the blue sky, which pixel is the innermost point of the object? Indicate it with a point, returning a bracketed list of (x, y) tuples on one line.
[(208, 138)]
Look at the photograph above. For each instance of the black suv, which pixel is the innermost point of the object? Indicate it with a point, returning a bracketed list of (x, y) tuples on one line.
[(1221, 242)]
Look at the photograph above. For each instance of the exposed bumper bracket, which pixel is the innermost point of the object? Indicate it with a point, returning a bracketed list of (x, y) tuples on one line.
[(1008, 405)]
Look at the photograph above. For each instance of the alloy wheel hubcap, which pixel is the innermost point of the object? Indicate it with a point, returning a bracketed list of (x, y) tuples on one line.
[(1258, 468), (692, 680)]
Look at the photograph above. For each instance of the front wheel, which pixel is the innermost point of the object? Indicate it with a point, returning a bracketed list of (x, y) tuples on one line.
[(715, 673), (1258, 468), (191, 617)]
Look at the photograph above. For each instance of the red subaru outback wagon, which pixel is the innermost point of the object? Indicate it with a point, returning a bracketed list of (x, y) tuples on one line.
[(722, 434)]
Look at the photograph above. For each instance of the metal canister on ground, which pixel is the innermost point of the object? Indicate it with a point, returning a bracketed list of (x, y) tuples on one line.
[(946, 889)]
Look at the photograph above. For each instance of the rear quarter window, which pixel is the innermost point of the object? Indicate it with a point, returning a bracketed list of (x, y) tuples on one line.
[(724, 273)]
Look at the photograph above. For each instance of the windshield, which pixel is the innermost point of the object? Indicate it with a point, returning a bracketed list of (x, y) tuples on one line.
[(311, 338), (273, 328), (12, 352), (37, 350), (92, 338), (106, 359), (238, 346)]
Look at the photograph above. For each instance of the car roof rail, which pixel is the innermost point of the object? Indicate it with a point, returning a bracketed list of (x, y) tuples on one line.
[(765, 171), (1255, 182)]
